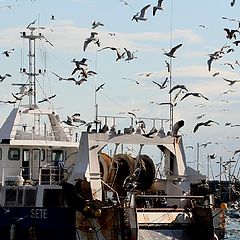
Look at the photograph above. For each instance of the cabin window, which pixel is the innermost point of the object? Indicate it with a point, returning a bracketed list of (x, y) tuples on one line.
[(10, 199), (52, 198), (29, 198), (14, 154), (0, 153), (57, 156)]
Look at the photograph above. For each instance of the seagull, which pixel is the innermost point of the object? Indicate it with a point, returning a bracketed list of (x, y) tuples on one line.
[(28, 26), (151, 132), (209, 61), (236, 42), (225, 92), (178, 86), (215, 74), (141, 17), (91, 39), (231, 33), (195, 94), (130, 55), (131, 80), (163, 85), (85, 73), (231, 82), (119, 55), (207, 123), (100, 87), (229, 64), (79, 82), (133, 114), (168, 66), (16, 97), (7, 52), (59, 77), (96, 24), (4, 77), (79, 64), (158, 7), (47, 99), (172, 51), (232, 3), (200, 116)]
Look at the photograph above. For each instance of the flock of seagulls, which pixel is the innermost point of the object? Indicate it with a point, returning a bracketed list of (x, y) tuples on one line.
[(80, 73)]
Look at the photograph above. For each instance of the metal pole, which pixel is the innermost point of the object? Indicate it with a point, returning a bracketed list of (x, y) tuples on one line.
[(197, 157)]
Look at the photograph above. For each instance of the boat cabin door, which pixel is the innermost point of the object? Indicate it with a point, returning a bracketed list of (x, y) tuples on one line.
[(25, 164), (31, 162)]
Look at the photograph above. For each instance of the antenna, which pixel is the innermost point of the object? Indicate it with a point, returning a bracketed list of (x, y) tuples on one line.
[(31, 64), (170, 74)]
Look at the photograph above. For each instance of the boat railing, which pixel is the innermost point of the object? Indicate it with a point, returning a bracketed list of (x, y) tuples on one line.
[(49, 174), (52, 135), (127, 122)]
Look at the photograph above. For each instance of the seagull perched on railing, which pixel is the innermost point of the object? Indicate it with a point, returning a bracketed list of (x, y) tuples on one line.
[(172, 51), (141, 17)]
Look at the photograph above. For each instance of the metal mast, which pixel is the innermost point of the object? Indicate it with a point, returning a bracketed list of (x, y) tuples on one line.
[(32, 64)]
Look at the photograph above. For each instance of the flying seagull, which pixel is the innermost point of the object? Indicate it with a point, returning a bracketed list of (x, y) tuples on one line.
[(7, 52), (163, 85), (172, 51), (178, 86), (4, 77), (207, 123), (132, 80), (100, 87), (96, 24), (59, 77), (141, 17), (158, 7), (32, 23), (119, 55), (79, 64), (231, 33), (231, 82), (130, 55), (47, 99), (92, 38), (195, 94)]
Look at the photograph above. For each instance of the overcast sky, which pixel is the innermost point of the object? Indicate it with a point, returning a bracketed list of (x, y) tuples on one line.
[(197, 25)]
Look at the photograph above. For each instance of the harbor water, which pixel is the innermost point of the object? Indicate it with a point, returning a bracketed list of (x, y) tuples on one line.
[(232, 229)]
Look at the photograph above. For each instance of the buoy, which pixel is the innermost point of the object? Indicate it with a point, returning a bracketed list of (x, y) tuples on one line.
[(223, 206)]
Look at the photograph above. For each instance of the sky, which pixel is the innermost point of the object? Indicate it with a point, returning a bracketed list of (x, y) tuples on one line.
[(197, 25)]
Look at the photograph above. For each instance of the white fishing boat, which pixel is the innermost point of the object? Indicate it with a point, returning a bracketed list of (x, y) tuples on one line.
[(34, 147), (103, 184)]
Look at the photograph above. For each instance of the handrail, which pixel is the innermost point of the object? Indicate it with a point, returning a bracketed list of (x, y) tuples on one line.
[(169, 196)]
